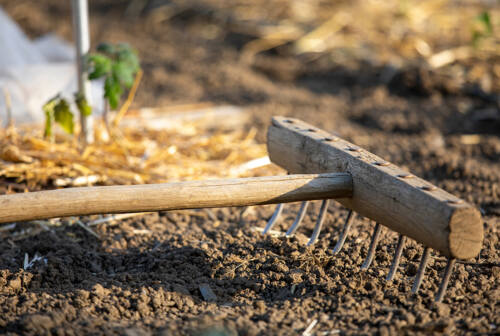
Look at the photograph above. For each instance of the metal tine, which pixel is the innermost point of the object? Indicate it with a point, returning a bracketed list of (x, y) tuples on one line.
[(319, 222), (276, 215), (397, 257), (347, 226), (421, 270), (298, 220), (446, 279), (373, 247)]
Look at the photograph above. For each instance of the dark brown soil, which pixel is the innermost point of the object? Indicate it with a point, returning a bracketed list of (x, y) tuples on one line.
[(143, 275)]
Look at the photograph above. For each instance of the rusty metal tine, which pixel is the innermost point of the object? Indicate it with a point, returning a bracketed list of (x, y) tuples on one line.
[(347, 226), (276, 215), (319, 222), (421, 270), (446, 279), (298, 220), (397, 257), (373, 247)]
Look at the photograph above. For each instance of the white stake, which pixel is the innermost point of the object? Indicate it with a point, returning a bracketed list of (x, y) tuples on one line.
[(82, 39)]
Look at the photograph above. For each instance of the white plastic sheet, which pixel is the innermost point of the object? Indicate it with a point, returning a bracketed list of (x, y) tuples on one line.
[(34, 71)]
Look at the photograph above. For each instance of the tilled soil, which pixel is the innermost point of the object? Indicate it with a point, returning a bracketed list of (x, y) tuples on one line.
[(145, 275)]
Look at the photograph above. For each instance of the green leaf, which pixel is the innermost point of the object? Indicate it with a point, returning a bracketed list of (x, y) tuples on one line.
[(485, 20), (123, 73), (48, 108), (82, 104), (63, 116), (57, 109), (483, 28), (128, 56), (112, 91), (100, 65), (106, 48)]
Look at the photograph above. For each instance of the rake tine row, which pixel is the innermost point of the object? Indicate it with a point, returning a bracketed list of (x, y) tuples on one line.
[(372, 248)]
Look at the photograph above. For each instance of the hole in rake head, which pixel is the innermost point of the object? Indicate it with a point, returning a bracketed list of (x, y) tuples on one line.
[(331, 139), (354, 149), (405, 176), (428, 187), (452, 201), (382, 163), (288, 121), (311, 130)]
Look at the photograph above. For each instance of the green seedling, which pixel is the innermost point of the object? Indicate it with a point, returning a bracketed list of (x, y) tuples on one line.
[(116, 64), (483, 28)]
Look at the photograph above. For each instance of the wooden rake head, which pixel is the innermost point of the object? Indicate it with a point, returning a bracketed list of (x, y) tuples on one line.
[(382, 192)]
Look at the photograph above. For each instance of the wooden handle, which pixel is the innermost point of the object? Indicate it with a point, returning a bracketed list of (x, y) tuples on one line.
[(382, 191), (173, 196)]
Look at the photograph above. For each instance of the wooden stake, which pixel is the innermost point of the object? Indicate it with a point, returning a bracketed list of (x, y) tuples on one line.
[(82, 40)]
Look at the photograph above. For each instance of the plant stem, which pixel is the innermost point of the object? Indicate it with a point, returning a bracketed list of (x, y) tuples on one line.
[(105, 118), (130, 98), (51, 136)]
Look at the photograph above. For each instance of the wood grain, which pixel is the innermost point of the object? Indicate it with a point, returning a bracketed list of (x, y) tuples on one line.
[(382, 191), (173, 196)]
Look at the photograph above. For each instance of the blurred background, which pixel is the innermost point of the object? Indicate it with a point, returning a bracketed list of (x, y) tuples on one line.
[(411, 74), (291, 56)]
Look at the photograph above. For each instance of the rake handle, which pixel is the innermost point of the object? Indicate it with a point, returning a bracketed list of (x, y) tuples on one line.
[(382, 191), (173, 196)]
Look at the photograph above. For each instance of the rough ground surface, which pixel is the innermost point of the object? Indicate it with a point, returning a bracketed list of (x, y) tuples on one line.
[(143, 275)]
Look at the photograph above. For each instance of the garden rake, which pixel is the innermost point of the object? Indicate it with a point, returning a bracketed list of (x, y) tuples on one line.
[(321, 167)]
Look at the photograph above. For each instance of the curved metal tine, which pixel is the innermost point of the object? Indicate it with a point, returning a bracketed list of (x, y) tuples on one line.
[(373, 247), (298, 220), (397, 257), (446, 278), (347, 226), (421, 270), (276, 215), (319, 222)]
